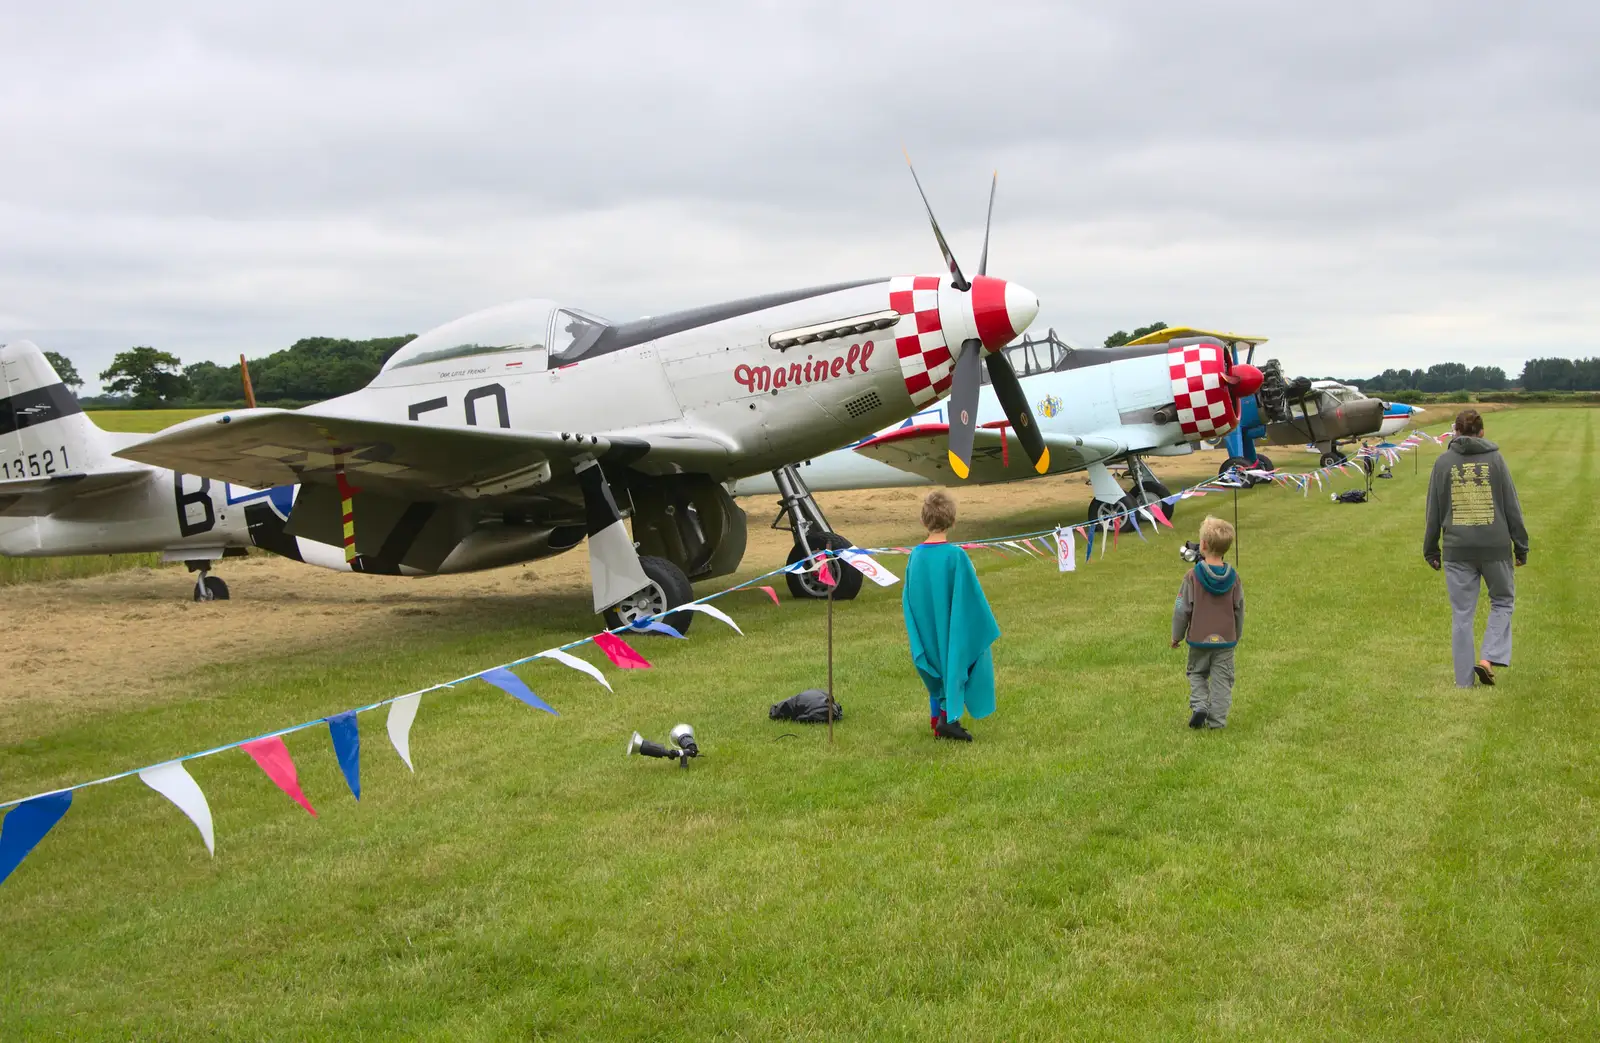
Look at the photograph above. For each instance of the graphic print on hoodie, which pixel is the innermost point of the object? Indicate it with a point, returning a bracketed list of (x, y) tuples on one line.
[(1473, 505)]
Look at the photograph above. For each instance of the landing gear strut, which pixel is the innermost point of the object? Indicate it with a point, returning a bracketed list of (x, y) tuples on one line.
[(207, 587), (1144, 489), (809, 527)]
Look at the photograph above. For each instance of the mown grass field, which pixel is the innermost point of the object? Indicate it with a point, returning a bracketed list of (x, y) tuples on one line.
[(143, 420), (1364, 853)]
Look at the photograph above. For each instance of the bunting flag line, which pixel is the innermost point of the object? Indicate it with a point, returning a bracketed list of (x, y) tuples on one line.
[(402, 712), (513, 685), (568, 659), (273, 758), (618, 652), (173, 781), (658, 627), (346, 735), (26, 824), (865, 564), (714, 613)]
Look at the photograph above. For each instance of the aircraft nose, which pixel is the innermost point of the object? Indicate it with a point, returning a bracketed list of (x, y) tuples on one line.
[(1248, 380), (1002, 310)]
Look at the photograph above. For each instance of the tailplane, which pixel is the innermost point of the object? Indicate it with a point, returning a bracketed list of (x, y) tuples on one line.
[(43, 429)]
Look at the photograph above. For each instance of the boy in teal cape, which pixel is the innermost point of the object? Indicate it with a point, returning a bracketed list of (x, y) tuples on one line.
[(949, 625)]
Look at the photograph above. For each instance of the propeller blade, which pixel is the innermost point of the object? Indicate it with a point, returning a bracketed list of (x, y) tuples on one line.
[(1008, 389), (964, 407), (983, 259), (944, 247)]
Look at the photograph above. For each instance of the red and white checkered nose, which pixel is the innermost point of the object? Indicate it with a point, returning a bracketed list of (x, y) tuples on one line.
[(1001, 310)]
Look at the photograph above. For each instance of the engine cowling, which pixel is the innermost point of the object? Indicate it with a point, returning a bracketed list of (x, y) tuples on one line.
[(1207, 386)]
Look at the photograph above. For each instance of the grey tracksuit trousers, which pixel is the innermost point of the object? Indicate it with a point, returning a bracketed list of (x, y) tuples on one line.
[(1211, 684), (1462, 579)]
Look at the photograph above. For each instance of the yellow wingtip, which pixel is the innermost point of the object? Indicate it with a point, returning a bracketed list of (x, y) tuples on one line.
[(958, 466), (1043, 463)]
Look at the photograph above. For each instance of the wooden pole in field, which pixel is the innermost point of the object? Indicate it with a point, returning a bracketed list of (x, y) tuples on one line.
[(831, 587)]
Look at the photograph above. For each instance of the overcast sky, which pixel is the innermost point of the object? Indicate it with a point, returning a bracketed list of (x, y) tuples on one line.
[(1367, 184)]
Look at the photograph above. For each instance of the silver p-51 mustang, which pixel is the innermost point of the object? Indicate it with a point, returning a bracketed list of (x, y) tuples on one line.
[(518, 432)]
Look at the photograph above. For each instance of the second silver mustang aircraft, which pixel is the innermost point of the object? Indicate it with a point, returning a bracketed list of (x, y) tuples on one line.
[(518, 432)]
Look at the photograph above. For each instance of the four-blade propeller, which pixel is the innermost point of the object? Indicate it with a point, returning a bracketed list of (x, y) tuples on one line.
[(990, 307)]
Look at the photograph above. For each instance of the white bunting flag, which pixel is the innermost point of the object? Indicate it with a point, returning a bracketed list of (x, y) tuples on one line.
[(864, 564), (401, 713), (174, 782), (714, 613), (577, 664), (1066, 551)]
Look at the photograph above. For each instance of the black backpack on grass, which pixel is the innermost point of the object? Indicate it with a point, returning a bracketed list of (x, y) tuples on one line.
[(809, 707)]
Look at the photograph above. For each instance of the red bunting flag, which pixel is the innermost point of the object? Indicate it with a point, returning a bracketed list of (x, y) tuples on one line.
[(825, 574), (273, 757), (773, 594), (1161, 516), (618, 652)]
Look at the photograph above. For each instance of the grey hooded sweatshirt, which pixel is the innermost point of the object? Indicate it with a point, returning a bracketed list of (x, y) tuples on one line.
[(1473, 502)]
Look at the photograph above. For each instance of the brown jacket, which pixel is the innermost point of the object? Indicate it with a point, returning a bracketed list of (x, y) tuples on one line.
[(1209, 612)]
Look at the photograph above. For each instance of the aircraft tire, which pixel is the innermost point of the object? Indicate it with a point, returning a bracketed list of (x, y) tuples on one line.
[(214, 587), (669, 586), (1330, 459), (1264, 462), (808, 587), (1101, 509), (1151, 492), (1234, 461)]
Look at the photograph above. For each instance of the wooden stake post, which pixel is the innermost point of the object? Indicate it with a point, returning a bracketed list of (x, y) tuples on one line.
[(831, 588)]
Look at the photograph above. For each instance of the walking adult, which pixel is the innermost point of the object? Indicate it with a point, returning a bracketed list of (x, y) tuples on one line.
[(1473, 504)]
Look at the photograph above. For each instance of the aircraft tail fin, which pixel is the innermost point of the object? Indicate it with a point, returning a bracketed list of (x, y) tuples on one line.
[(43, 429)]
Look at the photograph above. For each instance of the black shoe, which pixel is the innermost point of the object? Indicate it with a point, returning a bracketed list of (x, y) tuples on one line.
[(1197, 719), (1485, 675), (952, 730)]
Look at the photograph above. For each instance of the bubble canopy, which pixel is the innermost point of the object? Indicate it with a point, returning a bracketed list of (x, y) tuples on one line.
[(566, 334)]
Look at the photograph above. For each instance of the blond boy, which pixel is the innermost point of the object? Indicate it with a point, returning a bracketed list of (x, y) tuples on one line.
[(1209, 614)]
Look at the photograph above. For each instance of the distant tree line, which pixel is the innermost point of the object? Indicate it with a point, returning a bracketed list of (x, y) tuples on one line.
[(1444, 376), (1561, 375), (309, 370), (1537, 375)]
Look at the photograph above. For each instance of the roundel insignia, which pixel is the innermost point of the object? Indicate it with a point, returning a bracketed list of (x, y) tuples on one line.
[(964, 416)]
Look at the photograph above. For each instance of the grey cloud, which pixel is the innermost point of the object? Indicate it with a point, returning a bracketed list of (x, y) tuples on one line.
[(1369, 184)]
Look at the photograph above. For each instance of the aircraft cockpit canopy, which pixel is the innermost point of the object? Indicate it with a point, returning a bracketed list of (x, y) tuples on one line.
[(563, 335), (1029, 356)]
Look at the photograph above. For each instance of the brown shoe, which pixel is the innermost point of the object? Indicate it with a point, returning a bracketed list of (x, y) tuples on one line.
[(1484, 671)]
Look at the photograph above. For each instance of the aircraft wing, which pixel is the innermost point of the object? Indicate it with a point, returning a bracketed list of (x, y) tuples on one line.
[(1172, 333), (261, 448), (37, 497), (997, 453)]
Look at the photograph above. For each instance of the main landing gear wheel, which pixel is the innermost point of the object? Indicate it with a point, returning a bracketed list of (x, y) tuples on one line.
[(810, 585), (1150, 492), (669, 586), (210, 588), (1264, 462), (1332, 459)]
